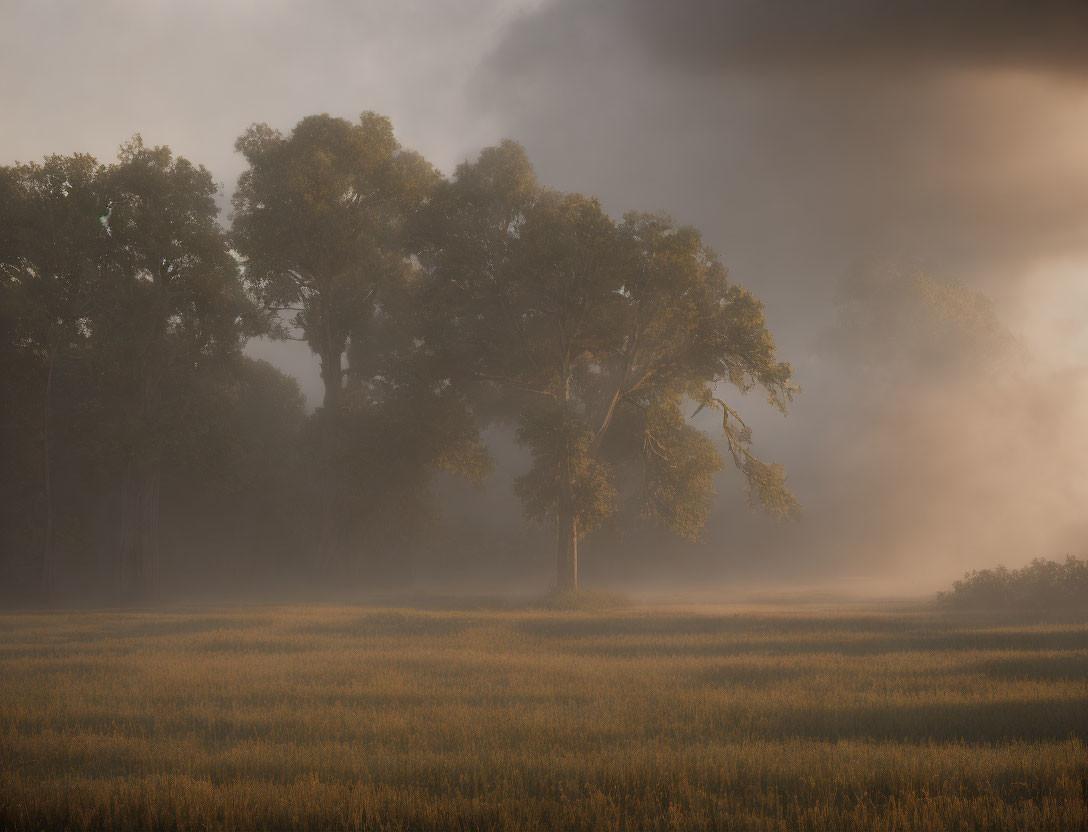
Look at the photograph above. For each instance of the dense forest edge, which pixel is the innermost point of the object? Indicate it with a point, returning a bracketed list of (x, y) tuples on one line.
[(144, 447)]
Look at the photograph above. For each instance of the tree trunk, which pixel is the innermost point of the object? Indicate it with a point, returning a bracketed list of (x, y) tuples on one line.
[(566, 551), (46, 564), (138, 566), (332, 374), (566, 531), (566, 535)]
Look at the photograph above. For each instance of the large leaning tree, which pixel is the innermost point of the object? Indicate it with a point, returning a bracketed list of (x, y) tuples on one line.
[(598, 339)]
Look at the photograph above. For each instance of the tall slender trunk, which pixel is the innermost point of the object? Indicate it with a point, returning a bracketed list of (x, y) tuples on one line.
[(139, 544), (566, 532), (47, 558), (332, 374), (566, 551)]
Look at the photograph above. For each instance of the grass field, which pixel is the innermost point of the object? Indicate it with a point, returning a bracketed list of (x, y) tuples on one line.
[(639, 718)]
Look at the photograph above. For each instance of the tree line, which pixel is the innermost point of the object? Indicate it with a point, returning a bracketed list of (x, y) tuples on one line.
[(436, 307)]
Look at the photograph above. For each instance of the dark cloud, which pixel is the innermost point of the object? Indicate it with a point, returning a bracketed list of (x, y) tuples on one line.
[(849, 36), (862, 35), (775, 126)]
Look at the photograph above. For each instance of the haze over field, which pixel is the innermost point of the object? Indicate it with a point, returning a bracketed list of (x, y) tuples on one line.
[(543, 414), (874, 175)]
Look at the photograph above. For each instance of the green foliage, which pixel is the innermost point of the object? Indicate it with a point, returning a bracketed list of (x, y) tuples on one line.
[(322, 217), (51, 250), (592, 335), (680, 463), (563, 469), (1041, 585), (171, 300), (124, 317), (393, 439), (765, 483), (435, 307), (326, 219)]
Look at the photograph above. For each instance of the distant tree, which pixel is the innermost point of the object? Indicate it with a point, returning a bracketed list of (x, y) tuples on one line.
[(1041, 585), (52, 244), (592, 337), (895, 319)]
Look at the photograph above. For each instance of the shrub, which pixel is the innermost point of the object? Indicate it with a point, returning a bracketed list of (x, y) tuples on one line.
[(1042, 584)]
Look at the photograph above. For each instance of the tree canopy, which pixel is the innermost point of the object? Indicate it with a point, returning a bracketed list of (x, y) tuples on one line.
[(124, 294), (593, 336), (436, 307), (321, 217)]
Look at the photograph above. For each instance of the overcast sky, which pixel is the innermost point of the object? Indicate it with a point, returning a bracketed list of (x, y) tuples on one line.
[(803, 138)]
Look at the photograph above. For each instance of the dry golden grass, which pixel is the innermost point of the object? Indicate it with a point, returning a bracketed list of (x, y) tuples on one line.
[(319, 717)]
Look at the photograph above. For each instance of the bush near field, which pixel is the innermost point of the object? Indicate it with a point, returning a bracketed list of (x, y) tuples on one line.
[(1041, 584)]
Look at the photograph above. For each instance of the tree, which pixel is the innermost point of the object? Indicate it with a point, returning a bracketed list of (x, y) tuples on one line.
[(50, 260), (895, 319), (171, 304), (119, 290), (593, 337), (322, 218), (235, 499)]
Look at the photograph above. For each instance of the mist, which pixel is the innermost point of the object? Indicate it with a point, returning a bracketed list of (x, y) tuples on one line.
[(543, 414), (832, 155), (905, 188)]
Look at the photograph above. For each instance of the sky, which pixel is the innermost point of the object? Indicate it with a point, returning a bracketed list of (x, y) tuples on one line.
[(819, 147)]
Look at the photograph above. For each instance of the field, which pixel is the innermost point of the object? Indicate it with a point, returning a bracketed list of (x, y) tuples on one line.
[(635, 718)]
